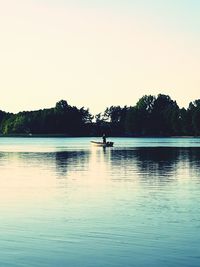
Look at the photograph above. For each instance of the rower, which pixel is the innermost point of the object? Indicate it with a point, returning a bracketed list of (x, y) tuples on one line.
[(104, 138)]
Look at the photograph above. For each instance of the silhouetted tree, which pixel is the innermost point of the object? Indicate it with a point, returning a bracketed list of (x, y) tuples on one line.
[(151, 116)]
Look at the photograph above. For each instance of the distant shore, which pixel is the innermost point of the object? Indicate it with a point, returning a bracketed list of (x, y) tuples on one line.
[(152, 116), (34, 135), (70, 136)]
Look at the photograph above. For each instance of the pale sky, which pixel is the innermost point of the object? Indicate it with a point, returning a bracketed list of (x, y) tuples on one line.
[(97, 53)]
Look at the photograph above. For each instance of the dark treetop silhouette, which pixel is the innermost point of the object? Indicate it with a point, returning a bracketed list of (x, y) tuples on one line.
[(151, 116)]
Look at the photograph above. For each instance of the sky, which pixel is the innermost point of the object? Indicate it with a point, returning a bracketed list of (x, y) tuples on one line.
[(97, 53)]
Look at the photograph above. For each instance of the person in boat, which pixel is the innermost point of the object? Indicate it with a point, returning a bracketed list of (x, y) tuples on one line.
[(104, 138)]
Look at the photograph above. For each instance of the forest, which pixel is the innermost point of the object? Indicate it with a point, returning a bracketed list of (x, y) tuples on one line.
[(151, 116)]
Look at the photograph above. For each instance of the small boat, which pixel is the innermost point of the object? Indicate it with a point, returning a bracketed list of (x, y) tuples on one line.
[(107, 144)]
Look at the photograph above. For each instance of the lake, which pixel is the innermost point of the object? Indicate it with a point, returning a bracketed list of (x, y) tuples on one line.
[(66, 203)]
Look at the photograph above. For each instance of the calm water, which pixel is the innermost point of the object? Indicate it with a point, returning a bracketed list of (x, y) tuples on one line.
[(65, 203)]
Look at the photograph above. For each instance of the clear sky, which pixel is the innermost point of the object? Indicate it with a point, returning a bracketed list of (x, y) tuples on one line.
[(97, 53)]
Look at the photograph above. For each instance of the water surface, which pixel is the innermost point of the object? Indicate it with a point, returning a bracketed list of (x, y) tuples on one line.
[(65, 203)]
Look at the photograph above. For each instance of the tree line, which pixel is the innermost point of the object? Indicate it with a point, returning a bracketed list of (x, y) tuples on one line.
[(151, 116)]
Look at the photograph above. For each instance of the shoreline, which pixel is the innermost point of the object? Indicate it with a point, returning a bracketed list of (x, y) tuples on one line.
[(70, 136)]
